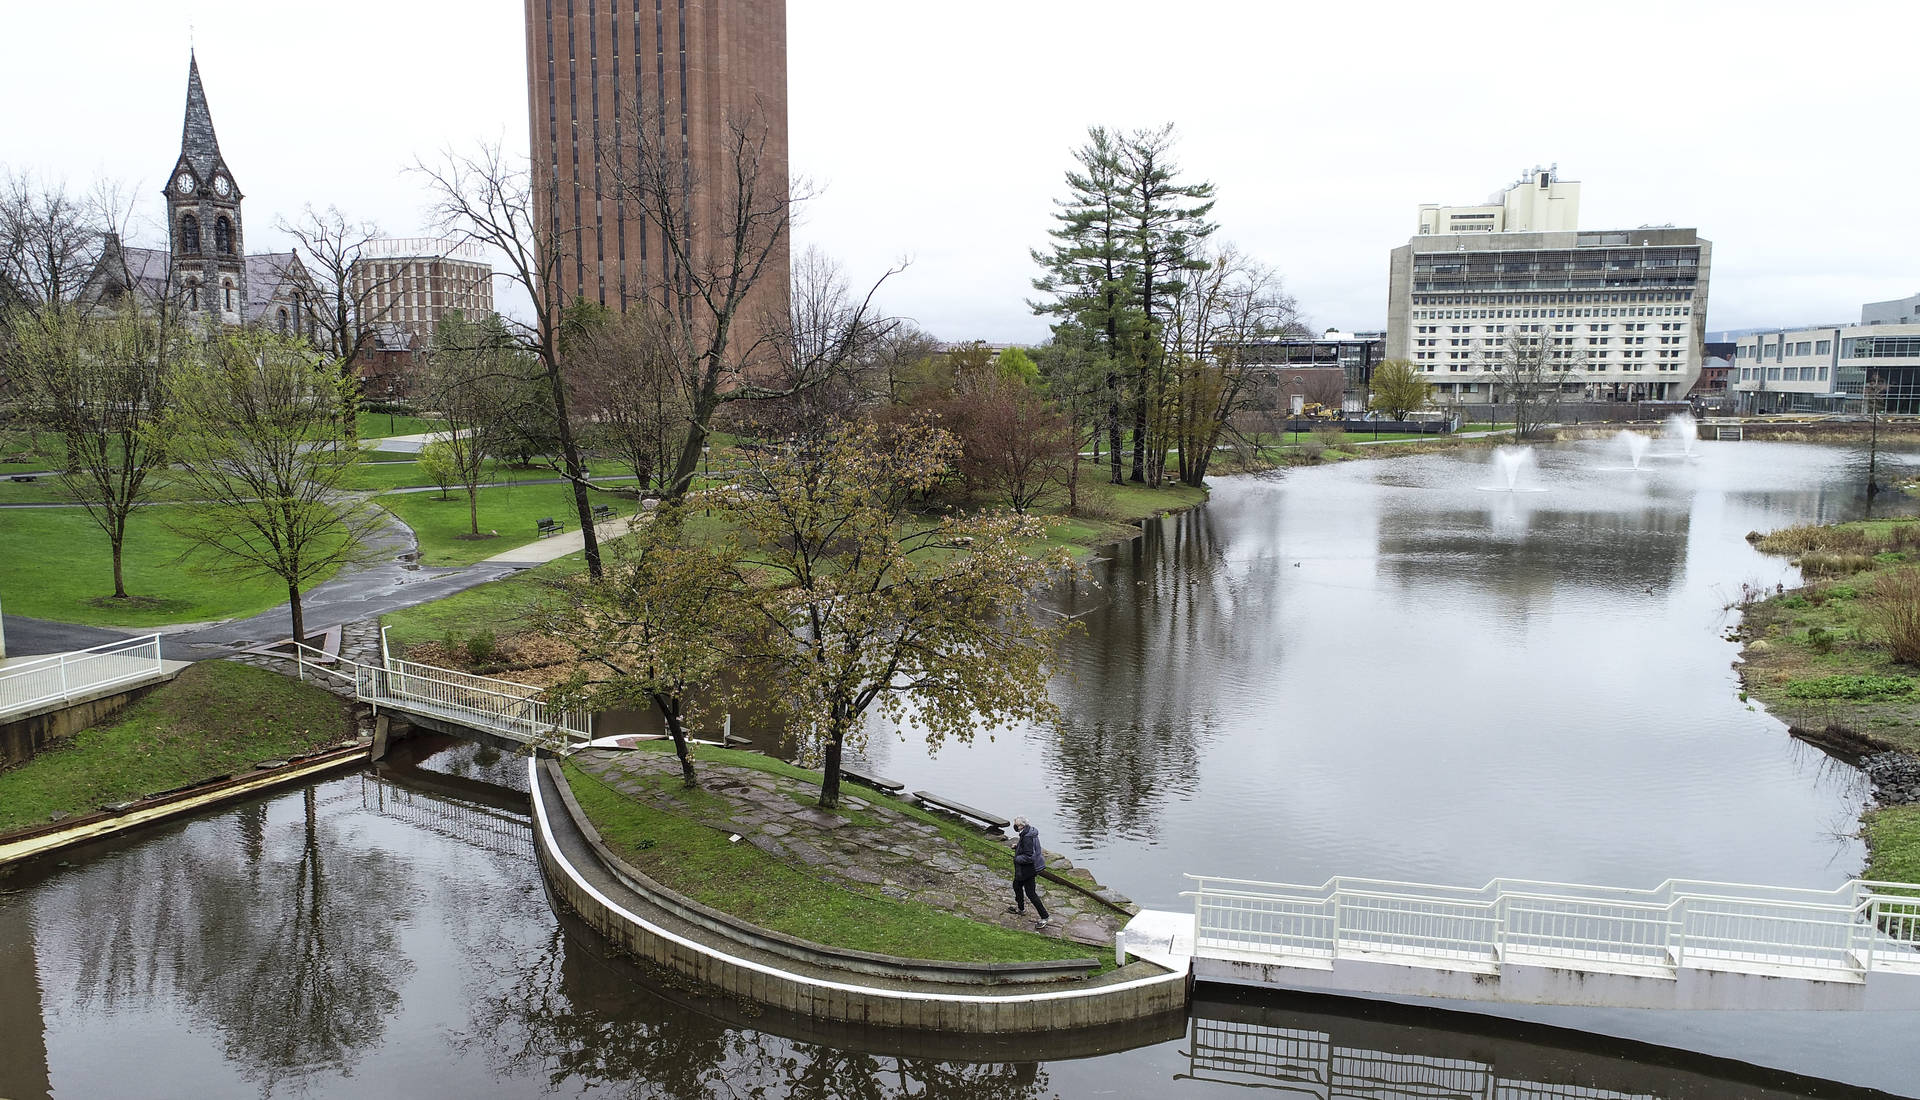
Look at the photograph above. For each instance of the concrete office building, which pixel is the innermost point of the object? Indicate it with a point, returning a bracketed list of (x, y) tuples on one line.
[(408, 284), (1624, 310), (598, 70)]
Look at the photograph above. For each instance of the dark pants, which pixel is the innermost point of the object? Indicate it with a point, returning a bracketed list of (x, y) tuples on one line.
[(1023, 881)]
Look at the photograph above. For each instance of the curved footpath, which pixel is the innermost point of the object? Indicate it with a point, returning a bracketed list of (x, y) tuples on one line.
[(654, 925)]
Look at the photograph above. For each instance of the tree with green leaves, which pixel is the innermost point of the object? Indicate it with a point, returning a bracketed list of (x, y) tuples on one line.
[(1398, 389), (1015, 365), (1166, 223), (1088, 271), (657, 632), (253, 432), (98, 381), (861, 609)]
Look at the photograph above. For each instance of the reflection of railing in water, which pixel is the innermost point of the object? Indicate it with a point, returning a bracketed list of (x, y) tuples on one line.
[(489, 829), (1309, 1063)]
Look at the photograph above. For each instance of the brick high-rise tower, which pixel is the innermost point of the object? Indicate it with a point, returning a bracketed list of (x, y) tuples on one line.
[(597, 69)]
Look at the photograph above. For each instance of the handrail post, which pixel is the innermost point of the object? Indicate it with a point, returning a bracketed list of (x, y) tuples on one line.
[(64, 692), (1679, 934)]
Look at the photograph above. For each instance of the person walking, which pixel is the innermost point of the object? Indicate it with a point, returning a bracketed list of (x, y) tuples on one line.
[(1028, 862)]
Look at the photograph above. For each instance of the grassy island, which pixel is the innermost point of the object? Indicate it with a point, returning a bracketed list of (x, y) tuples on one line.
[(217, 718), (878, 874), (1839, 657)]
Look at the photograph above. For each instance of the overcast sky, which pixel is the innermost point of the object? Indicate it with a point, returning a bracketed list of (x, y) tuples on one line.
[(1783, 131)]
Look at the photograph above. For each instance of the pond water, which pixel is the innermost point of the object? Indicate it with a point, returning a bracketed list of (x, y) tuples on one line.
[(1370, 669)]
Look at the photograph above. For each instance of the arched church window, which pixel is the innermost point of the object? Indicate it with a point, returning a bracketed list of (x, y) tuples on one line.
[(228, 287), (283, 322), (190, 234), (223, 237), (193, 296)]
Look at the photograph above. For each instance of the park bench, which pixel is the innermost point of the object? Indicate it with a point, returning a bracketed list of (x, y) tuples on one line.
[(877, 782), (548, 526), (603, 511), (29, 478), (961, 809)]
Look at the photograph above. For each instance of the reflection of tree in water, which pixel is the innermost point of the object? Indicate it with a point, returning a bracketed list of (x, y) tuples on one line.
[(587, 1024), (292, 958), (1174, 626)]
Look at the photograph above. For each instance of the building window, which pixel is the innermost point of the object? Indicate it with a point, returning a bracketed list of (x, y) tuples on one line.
[(228, 288), (1822, 347), (193, 296), (190, 234), (283, 322), (223, 236)]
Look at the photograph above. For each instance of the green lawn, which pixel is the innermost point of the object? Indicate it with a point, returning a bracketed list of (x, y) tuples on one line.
[(394, 473), (55, 563), (509, 512), (1893, 844), (752, 885), (496, 608), (218, 718), (372, 425)]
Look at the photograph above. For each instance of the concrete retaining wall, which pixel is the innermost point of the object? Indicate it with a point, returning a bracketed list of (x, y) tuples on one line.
[(22, 738), (1139, 991)]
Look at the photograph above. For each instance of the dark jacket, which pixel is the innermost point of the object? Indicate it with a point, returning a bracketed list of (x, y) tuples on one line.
[(1028, 859)]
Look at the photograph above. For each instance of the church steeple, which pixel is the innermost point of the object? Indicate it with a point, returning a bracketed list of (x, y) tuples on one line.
[(209, 267), (198, 145)]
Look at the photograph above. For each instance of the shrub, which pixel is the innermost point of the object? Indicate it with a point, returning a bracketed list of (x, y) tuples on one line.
[(1850, 687), (1841, 592), (1823, 563), (1893, 610), (1820, 640), (482, 647)]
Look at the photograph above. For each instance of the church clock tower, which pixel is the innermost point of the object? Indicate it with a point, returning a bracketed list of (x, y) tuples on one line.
[(209, 267)]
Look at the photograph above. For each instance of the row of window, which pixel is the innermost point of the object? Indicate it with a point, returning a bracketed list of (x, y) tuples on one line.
[(1784, 374)]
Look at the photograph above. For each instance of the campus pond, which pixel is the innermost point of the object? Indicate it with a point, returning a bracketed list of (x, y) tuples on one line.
[(1378, 669)]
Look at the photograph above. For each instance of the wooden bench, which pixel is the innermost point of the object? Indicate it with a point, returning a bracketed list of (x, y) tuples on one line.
[(603, 511), (548, 526), (28, 478), (877, 782), (961, 809)]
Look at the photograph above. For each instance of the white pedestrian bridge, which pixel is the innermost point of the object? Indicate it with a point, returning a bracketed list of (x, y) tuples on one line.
[(451, 701), (1680, 945)]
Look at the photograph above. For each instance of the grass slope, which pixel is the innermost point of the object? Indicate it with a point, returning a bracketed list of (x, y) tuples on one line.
[(55, 563), (216, 719), (752, 885)]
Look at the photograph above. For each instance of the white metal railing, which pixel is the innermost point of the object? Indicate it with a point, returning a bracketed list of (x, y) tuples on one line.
[(37, 681), (498, 706), (1852, 929)]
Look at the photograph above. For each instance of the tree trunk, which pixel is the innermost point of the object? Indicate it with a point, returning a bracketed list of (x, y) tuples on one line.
[(1073, 476), (570, 452), (299, 620), (830, 780), (473, 509), (119, 581), (1139, 472), (671, 712)]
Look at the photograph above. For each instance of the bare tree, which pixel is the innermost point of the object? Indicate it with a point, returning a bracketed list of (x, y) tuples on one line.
[(348, 314), (1013, 444), (725, 237), (1534, 371), (1227, 304), (627, 387), (470, 375), (50, 239), (492, 202)]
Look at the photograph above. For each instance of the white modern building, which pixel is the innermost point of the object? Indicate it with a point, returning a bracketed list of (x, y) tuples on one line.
[(1827, 368), (1624, 311), (1900, 311)]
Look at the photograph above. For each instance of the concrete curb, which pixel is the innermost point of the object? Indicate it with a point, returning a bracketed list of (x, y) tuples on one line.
[(908, 1004)]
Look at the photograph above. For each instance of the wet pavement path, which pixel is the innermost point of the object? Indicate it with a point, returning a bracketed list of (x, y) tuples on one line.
[(904, 857)]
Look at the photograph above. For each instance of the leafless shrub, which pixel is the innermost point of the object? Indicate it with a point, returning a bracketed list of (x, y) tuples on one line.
[(1893, 610)]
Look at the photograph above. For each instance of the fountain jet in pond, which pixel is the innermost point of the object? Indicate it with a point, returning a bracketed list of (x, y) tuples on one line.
[(1636, 445), (1684, 430), (1508, 461)]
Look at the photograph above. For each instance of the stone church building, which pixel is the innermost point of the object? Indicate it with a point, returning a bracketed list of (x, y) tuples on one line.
[(207, 272)]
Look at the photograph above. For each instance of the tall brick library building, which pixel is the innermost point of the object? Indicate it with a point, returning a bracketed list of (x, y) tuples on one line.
[(599, 68)]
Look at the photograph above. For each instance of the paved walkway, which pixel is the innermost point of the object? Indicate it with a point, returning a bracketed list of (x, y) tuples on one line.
[(903, 857), (557, 546)]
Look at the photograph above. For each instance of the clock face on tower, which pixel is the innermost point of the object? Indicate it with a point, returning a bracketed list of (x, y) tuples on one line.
[(221, 185), (183, 183)]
